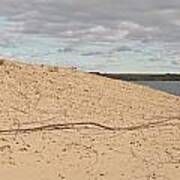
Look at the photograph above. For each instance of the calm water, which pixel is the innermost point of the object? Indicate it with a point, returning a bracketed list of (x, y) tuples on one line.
[(172, 87), (106, 35)]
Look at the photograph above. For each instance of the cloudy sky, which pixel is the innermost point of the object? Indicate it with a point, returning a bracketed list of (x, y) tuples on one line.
[(103, 35)]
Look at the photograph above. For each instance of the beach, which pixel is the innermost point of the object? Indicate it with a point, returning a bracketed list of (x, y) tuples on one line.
[(61, 123)]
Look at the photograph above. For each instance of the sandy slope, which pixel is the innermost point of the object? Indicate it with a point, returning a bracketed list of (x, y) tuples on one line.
[(59, 123)]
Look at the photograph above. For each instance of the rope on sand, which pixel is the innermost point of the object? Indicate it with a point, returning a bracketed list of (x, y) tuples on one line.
[(88, 125)]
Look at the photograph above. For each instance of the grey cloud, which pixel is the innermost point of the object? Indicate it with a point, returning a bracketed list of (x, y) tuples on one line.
[(123, 49), (54, 17), (153, 59), (164, 67), (92, 53), (176, 62), (65, 50)]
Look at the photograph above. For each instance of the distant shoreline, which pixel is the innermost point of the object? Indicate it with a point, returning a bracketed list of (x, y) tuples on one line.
[(140, 77), (120, 76)]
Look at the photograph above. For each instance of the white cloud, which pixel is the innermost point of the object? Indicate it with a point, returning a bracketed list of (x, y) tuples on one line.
[(132, 26), (176, 22)]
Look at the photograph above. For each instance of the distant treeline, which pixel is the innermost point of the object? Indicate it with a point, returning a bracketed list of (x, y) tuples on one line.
[(141, 77)]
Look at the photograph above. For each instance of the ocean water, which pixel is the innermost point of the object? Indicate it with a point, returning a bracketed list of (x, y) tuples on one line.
[(106, 36), (172, 87)]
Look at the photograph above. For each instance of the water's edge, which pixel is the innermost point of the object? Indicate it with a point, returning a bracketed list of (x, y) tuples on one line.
[(171, 87), (169, 83)]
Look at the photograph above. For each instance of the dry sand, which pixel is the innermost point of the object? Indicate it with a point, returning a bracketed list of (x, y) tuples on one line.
[(58, 123)]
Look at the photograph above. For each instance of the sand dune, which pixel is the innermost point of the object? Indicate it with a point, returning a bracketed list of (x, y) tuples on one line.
[(58, 123)]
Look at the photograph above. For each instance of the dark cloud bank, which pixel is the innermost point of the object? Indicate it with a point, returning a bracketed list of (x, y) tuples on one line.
[(142, 19)]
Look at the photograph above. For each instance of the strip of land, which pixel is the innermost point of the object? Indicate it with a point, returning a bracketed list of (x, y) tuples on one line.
[(140, 77)]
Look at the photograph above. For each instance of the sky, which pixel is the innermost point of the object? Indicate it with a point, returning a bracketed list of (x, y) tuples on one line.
[(103, 35)]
